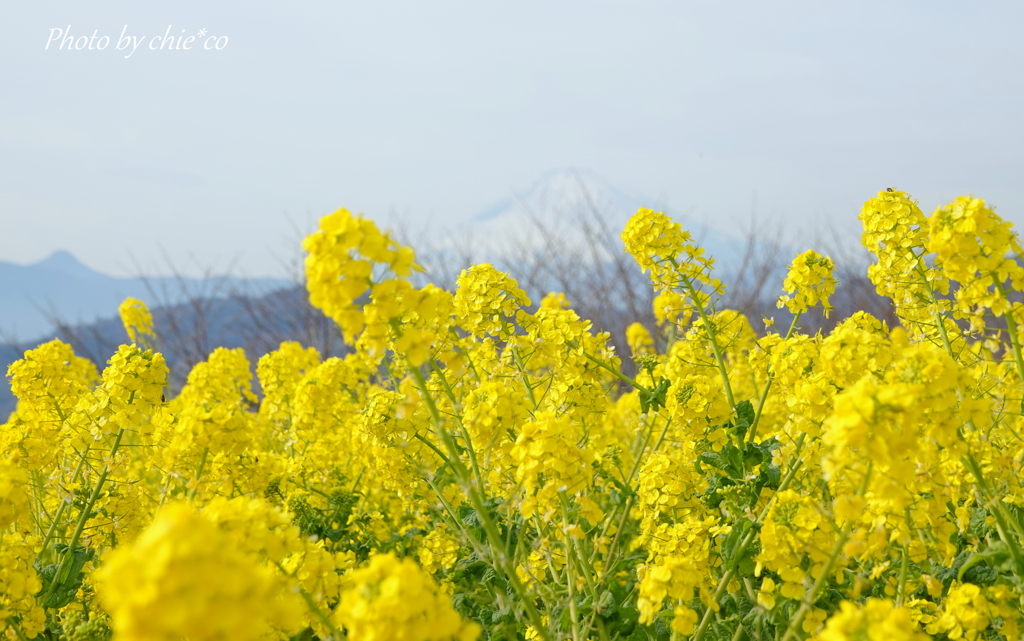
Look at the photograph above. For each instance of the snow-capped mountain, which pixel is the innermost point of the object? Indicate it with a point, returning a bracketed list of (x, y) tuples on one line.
[(563, 210), (563, 193), (564, 204)]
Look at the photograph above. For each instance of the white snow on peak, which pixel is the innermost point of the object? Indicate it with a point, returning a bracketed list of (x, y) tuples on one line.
[(561, 204), (563, 195)]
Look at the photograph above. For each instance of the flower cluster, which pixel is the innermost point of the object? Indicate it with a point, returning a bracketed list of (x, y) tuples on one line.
[(896, 232), (137, 320), (184, 578), (876, 620), (393, 598), (486, 301), (679, 269), (809, 283), (340, 264), (475, 467), (549, 465), (675, 577), (978, 250)]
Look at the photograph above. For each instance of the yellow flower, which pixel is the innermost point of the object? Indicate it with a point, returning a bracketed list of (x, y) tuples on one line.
[(279, 374), (14, 499), (968, 610), (674, 576), (50, 377), (766, 595), (661, 247), (133, 380), (19, 582), (138, 322), (655, 240), (976, 248), (340, 264), (876, 620), (810, 283), (548, 462), (487, 300), (895, 231), (184, 578), (213, 406), (639, 340), (393, 599), (684, 619), (439, 550)]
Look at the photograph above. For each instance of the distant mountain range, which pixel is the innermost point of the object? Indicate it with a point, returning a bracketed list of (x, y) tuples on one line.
[(61, 297), (33, 298), (60, 288), (189, 331)]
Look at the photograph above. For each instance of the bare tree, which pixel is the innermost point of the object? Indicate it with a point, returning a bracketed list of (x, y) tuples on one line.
[(580, 255), (583, 257), (193, 316)]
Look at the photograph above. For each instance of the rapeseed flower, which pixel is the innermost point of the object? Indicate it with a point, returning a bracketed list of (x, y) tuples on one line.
[(137, 320), (185, 578), (393, 599), (809, 282)]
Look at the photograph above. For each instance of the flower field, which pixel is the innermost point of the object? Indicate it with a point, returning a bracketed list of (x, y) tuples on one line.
[(472, 469)]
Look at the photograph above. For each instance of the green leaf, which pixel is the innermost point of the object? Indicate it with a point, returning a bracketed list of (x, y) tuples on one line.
[(61, 589), (744, 417), (728, 460), (982, 567), (732, 555), (651, 400)]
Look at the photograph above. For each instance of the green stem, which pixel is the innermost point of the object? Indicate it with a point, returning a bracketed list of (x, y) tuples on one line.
[(654, 449), (768, 385), (63, 505), (456, 522), (901, 587), (919, 268), (421, 383), (448, 391), (585, 569), (605, 366), (1011, 330), (826, 572), (790, 475), (199, 473), (628, 503), (995, 506), (748, 540), (436, 449), (712, 338), (996, 509), (739, 633), (456, 340), (327, 623), (500, 558), (526, 378), (17, 631), (570, 580), (313, 607), (808, 601), (462, 428), (83, 518)]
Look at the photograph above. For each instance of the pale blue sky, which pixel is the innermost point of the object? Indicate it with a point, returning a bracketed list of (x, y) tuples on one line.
[(437, 109)]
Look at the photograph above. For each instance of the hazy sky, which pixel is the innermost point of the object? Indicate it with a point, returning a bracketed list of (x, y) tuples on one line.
[(798, 110)]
